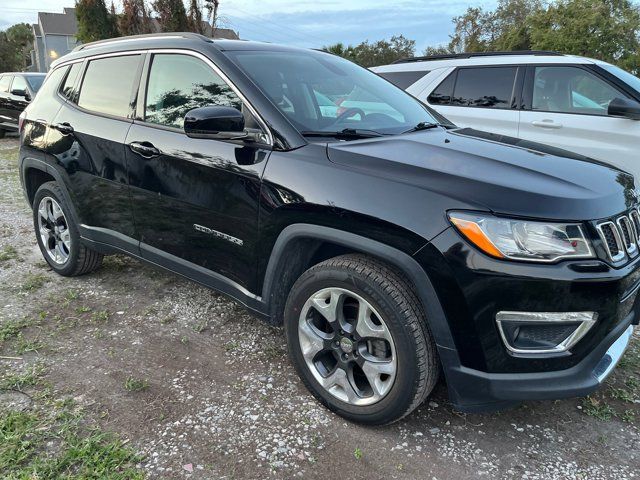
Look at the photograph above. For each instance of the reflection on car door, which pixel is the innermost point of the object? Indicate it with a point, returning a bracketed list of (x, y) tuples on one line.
[(195, 201), (566, 106), (484, 98), (5, 83), (16, 103)]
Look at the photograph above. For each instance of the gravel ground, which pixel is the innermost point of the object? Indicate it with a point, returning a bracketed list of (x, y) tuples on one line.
[(203, 389)]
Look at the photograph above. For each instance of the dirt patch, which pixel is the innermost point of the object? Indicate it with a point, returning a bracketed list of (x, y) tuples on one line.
[(199, 388)]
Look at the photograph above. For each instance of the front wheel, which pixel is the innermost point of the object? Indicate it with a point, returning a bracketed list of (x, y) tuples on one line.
[(359, 340)]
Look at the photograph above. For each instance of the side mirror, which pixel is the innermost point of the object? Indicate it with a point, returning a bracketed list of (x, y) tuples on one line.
[(622, 107), (19, 92), (222, 123)]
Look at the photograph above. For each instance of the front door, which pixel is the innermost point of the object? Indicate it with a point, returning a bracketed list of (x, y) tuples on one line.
[(566, 106), (195, 201)]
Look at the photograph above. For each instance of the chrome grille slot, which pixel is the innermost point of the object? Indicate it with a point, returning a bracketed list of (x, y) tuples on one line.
[(628, 237), (612, 241), (635, 222)]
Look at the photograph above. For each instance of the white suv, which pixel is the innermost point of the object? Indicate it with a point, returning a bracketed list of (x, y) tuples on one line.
[(575, 103)]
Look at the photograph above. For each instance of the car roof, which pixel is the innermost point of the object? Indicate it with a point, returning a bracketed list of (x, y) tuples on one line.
[(25, 74), (185, 40), (487, 59)]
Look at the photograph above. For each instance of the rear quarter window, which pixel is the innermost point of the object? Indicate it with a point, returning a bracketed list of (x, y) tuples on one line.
[(403, 80), (108, 84), (487, 87)]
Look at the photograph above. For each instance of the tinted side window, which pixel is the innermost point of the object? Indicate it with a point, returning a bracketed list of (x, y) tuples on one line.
[(403, 80), (5, 81), (484, 87), (571, 90), (180, 83), (107, 85), (442, 94), (69, 86)]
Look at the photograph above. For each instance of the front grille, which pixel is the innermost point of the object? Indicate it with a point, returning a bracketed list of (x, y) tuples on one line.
[(621, 236)]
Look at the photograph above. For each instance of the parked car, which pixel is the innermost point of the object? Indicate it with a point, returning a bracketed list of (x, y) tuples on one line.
[(392, 248), (16, 91), (576, 103)]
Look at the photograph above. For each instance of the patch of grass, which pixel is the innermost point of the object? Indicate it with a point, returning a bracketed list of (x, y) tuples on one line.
[(25, 449), (28, 345), (135, 384), (100, 316), (168, 319), (18, 381), (357, 453), (597, 408), (628, 416), (631, 358), (8, 253), (622, 395), (12, 328), (200, 327), (33, 282), (231, 346), (83, 309)]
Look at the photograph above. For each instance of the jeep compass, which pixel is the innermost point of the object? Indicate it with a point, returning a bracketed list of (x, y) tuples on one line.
[(393, 247)]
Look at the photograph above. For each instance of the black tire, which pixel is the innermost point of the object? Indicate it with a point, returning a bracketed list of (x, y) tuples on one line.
[(392, 296), (2, 133), (81, 259)]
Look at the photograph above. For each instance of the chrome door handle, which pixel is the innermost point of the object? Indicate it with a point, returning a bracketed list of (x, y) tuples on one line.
[(64, 128), (546, 124), (144, 149)]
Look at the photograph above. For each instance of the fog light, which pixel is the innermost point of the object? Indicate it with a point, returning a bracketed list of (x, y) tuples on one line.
[(543, 332)]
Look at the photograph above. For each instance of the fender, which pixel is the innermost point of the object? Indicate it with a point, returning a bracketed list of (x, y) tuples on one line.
[(406, 264)]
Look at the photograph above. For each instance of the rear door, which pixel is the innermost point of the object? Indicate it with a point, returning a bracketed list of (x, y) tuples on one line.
[(195, 201), (566, 106), (485, 98), (87, 137)]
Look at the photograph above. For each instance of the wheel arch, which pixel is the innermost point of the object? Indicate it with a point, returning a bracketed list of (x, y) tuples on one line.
[(300, 246)]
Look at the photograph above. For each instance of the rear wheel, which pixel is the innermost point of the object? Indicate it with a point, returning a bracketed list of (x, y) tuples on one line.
[(58, 236), (358, 337)]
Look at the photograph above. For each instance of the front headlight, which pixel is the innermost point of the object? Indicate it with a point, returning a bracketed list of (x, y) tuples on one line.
[(522, 239)]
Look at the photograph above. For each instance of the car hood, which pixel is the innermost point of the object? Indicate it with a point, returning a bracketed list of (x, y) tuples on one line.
[(491, 172)]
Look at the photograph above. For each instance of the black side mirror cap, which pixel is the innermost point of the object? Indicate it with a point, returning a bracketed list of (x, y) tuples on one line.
[(18, 92), (623, 107), (222, 123)]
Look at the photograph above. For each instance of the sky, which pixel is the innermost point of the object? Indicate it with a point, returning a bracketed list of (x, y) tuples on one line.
[(307, 23)]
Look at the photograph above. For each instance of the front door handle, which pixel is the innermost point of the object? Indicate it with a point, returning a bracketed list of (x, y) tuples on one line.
[(144, 149), (64, 128), (546, 124)]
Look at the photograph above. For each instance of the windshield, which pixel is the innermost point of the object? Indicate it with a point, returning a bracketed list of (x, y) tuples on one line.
[(626, 77), (35, 82), (319, 92)]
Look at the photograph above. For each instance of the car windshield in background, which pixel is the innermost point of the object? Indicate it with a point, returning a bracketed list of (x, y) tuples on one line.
[(35, 81), (319, 92), (623, 75)]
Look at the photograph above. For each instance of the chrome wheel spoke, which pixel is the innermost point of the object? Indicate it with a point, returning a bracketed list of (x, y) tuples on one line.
[(53, 230), (378, 375), (56, 212), (327, 304), (65, 236), (310, 341), (339, 385), (366, 327)]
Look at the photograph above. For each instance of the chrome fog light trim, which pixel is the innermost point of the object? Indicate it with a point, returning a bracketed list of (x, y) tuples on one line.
[(586, 320)]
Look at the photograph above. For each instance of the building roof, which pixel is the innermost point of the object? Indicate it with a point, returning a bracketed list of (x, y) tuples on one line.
[(207, 31), (36, 29), (59, 23)]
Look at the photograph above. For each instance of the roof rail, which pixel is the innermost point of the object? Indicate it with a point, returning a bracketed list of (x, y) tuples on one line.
[(447, 56), (136, 38)]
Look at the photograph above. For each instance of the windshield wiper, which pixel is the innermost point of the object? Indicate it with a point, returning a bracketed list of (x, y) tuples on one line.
[(346, 134), (423, 126)]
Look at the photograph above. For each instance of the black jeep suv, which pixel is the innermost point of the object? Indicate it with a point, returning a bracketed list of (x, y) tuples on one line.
[(393, 247), (16, 91)]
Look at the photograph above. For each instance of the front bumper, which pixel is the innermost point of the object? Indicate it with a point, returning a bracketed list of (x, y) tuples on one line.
[(473, 391)]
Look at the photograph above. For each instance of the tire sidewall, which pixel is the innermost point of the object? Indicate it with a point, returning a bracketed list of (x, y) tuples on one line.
[(50, 189), (403, 391)]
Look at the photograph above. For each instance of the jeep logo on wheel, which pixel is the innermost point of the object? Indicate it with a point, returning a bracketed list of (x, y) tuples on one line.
[(346, 345)]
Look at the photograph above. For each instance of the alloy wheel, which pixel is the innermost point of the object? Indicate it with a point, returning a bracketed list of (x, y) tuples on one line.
[(54, 230), (347, 346)]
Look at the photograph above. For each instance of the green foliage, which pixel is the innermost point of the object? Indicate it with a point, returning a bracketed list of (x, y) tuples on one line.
[(171, 15), (604, 29), (380, 52), (94, 21), (195, 17), (134, 19), (15, 45)]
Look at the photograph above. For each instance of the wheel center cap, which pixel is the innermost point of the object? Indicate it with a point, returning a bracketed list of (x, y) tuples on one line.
[(346, 345)]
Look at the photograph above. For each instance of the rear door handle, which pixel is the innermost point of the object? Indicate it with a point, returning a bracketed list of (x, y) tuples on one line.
[(144, 149), (64, 128), (546, 124)]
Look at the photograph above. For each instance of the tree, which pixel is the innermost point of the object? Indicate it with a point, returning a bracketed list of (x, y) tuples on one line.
[(20, 39), (211, 6), (195, 17), (171, 15), (94, 21), (377, 53), (135, 18), (605, 29)]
